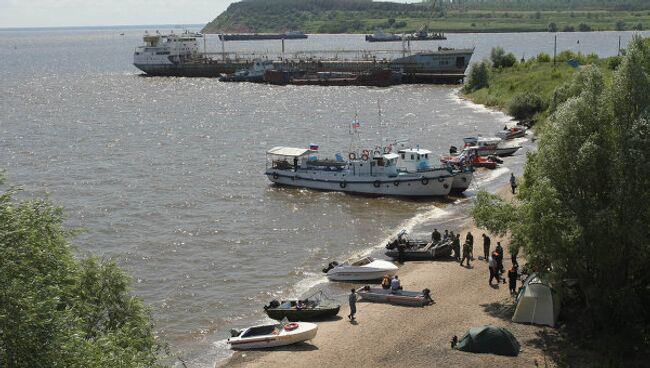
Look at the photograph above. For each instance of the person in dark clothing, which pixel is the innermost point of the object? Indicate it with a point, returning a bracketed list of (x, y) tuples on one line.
[(499, 250), (435, 236), (486, 247), (400, 253), (352, 299), (470, 239), (466, 253), (456, 247), (295, 164), (513, 275), (513, 183), (513, 255), (446, 236)]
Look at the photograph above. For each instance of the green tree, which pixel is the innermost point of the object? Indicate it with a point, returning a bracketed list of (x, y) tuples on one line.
[(619, 26), (479, 77), (552, 27), (585, 216), (500, 59), (56, 311)]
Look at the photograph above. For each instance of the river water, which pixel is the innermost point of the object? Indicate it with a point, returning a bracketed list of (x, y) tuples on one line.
[(165, 174)]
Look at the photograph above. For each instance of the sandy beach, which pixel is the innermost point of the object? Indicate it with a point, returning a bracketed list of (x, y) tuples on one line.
[(388, 336)]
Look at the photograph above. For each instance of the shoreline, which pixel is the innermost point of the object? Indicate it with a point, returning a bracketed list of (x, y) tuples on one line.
[(463, 299)]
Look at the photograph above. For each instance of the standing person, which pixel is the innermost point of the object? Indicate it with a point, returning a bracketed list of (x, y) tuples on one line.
[(499, 250), (514, 251), (470, 239), (492, 266), (446, 236), (435, 236), (352, 299), (486, 247), (400, 253), (466, 252), (456, 247), (513, 182), (395, 285), (512, 279)]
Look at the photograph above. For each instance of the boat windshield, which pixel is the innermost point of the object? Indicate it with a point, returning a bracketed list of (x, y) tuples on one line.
[(363, 261)]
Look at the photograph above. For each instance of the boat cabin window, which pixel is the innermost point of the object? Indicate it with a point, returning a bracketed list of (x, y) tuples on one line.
[(363, 261), (403, 155), (418, 157), (412, 157), (426, 155)]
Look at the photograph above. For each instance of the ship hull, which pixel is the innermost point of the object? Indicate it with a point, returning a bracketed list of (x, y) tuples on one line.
[(420, 186)]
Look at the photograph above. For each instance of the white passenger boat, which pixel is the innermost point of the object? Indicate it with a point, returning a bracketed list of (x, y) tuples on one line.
[(366, 172), (364, 269), (269, 336), (491, 146)]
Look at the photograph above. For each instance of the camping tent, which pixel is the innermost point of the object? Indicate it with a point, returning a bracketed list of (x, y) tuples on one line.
[(489, 339), (537, 303)]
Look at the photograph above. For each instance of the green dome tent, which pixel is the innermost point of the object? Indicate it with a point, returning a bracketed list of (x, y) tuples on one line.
[(489, 339)]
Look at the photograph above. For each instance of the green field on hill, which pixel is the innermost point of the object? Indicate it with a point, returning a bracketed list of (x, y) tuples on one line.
[(363, 16)]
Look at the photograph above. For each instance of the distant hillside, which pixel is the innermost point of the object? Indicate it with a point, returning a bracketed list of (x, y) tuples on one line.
[(362, 16)]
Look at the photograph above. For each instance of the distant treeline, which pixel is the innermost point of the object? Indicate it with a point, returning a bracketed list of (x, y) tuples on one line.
[(544, 4), (359, 16)]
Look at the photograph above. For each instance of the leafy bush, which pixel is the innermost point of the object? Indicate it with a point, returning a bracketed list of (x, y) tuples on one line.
[(57, 311), (583, 27), (479, 77), (613, 62), (500, 59), (568, 28), (620, 26), (552, 27), (525, 105), (543, 57)]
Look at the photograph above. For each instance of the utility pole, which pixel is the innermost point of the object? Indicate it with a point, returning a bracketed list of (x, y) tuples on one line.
[(618, 53), (554, 50)]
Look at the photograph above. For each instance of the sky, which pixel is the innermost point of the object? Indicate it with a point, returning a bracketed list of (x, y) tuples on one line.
[(64, 13)]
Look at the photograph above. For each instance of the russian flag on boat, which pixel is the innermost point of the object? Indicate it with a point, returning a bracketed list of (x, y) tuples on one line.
[(313, 147), (356, 125)]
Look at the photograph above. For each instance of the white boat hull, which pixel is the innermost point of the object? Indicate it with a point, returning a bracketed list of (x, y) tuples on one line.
[(372, 271), (305, 331), (411, 186)]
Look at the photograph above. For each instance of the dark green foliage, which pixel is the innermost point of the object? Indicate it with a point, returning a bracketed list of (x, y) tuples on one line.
[(582, 27), (613, 62), (638, 27), (619, 26), (552, 27), (568, 28), (526, 105), (56, 311), (500, 59), (583, 209), (479, 77)]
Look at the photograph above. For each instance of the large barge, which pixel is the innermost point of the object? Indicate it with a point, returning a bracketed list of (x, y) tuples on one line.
[(180, 55), (293, 35)]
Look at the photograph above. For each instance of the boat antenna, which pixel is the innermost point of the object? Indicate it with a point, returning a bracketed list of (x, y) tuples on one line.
[(381, 120)]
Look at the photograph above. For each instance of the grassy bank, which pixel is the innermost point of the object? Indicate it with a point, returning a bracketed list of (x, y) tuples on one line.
[(533, 77)]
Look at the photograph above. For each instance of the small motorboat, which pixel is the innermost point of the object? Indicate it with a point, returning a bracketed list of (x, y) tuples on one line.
[(254, 73), (269, 336), (470, 156), (399, 297), (516, 131), (313, 308), (364, 269), (417, 250), (491, 146)]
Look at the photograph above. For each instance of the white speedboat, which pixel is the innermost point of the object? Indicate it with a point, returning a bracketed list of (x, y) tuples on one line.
[(491, 146), (269, 336), (364, 269), (369, 172)]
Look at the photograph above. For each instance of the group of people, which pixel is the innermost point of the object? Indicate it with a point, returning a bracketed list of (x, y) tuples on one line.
[(467, 248)]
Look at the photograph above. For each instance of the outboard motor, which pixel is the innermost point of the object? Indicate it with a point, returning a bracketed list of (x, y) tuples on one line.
[(330, 266), (453, 150), (273, 304)]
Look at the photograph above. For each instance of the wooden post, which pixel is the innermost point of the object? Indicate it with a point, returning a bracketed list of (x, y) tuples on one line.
[(283, 45), (618, 53)]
